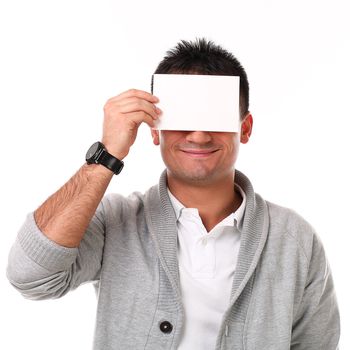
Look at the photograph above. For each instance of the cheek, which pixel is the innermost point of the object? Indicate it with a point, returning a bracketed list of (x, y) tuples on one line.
[(165, 149), (167, 141), (236, 144), (232, 142), (232, 148)]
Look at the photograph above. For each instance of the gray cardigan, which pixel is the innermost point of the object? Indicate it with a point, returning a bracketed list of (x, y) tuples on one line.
[(282, 295)]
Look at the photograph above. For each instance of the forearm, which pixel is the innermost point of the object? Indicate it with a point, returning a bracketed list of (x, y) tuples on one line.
[(62, 244), (65, 215)]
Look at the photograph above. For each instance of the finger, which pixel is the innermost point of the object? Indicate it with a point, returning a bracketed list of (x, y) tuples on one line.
[(141, 117), (136, 93), (134, 104)]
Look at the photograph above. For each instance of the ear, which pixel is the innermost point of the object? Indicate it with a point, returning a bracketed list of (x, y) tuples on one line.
[(155, 136), (246, 128)]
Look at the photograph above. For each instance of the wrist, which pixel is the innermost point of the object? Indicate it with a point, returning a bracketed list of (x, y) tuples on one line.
[(97, 170), (98, 154), (114, 150)]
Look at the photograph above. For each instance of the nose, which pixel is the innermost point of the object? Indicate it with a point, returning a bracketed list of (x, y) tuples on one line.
[(198, 137)]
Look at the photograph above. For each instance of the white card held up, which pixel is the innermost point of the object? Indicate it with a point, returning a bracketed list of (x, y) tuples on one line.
[(193, 102)]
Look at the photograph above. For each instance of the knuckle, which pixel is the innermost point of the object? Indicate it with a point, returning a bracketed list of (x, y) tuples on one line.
[(138, 103), (106, 109), (108, 104)]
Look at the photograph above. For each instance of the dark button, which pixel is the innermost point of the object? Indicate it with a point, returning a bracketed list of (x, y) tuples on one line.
[(166, 327)]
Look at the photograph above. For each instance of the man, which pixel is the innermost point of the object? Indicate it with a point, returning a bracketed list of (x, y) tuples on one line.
[(199, 261)]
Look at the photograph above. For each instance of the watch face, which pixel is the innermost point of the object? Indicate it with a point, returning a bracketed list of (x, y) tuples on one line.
[(92, 151)]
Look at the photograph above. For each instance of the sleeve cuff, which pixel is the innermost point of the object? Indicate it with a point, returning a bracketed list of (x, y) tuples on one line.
[(42, 250)]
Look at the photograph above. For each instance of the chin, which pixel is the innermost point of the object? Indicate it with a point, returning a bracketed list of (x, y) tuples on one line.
[(200, 176)]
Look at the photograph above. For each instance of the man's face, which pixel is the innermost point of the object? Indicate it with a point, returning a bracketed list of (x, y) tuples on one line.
[(201, 157)]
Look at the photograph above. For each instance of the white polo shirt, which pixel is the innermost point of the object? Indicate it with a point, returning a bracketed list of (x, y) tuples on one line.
[(207, 262)]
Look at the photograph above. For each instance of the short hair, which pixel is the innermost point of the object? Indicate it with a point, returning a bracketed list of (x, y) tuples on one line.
[(204, 57)]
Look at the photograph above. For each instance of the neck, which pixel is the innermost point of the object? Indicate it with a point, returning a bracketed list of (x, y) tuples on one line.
[(214, 201)]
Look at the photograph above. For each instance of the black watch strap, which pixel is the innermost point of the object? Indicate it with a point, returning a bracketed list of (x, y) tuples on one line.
[(97, 154), (111, 162)]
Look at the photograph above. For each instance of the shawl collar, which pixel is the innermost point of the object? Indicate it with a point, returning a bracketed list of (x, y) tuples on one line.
[(161, 221)]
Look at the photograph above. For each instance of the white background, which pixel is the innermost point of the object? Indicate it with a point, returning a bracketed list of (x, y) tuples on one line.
[(60, 62)]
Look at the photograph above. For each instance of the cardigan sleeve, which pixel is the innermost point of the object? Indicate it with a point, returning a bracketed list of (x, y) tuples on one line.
[(39, 268), (317, 322)]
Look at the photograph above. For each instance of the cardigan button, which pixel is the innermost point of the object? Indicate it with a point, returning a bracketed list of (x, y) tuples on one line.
[(166, 327)]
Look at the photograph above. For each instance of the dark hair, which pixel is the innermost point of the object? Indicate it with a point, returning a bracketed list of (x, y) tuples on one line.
[(205, 57)]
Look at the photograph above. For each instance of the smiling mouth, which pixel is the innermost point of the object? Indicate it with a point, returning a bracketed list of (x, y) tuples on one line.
[(199, 153)]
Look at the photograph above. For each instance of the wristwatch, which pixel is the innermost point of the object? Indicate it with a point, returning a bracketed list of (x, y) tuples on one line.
[(97, 154)]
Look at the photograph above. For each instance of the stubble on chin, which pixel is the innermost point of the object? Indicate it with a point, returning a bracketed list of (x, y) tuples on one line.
[(196, 176)]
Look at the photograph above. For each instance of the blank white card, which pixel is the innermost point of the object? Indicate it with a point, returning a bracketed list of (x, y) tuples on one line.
[(197, 102)]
